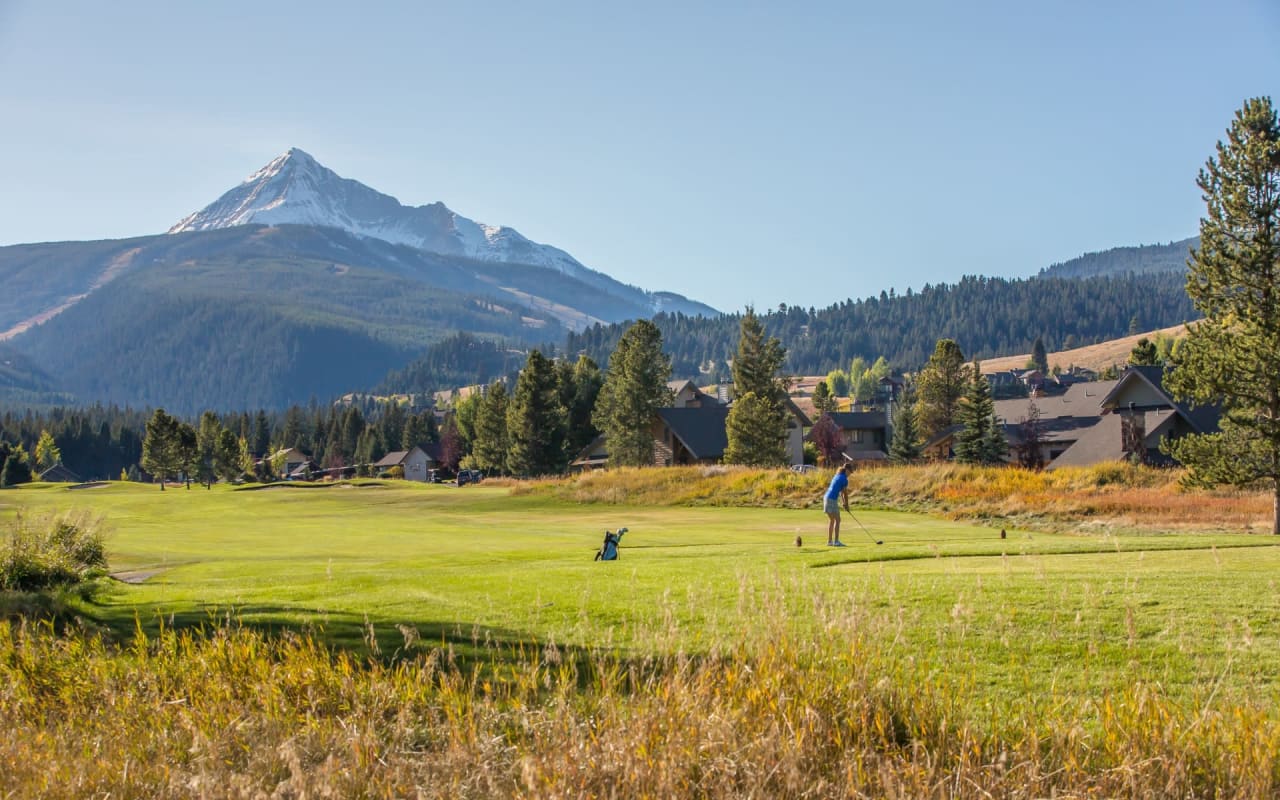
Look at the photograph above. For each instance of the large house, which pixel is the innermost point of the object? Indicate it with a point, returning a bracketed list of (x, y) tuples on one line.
[(1137, 415), (1098, 421)]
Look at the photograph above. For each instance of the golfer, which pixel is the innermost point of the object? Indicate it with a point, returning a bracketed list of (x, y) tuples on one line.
[(836, 492)]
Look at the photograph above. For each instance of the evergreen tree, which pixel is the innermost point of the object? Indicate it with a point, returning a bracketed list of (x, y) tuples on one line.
[(226, 456), (260, 441), (634, 388), (579, 389), (757, 432), (489, 449), (16, 470), (536, 420), (417, 430), (905, 447), (188, 445), (160, 448), (1232, 357), (823, 402), (1039, 358), (207, 439), (940, 386), (1144, 354), (995, 445), (975, 442), (752, 432)]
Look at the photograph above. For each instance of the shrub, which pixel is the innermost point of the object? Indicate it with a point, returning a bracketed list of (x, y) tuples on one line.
[(53, 551)]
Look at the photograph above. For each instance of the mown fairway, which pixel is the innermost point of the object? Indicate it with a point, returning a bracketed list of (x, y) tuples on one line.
[(1034, 612)]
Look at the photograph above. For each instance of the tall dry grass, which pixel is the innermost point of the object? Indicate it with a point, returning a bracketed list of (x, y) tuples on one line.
[(1121, 494), (782, 713)]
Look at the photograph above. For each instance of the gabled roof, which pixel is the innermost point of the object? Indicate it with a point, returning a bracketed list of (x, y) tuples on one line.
[(397, 458), (1202, 419), (59, 474), (700, 430)]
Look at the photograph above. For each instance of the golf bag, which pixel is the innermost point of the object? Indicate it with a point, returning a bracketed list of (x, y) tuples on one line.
[(609, 550)]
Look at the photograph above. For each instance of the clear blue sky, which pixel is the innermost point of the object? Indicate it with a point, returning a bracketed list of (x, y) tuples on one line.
[(737, 153)]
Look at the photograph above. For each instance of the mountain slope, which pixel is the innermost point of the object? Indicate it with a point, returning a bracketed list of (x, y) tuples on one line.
[(1143, 259), (295, 189), (986, 316)]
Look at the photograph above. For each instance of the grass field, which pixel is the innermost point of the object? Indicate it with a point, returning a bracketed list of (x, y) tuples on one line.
[(1025, 638), (466, 566)]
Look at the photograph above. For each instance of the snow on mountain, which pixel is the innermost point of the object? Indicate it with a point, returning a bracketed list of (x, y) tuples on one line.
[(296, 189)]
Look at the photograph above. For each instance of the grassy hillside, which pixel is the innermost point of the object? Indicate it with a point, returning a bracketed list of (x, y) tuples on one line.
[(482, 652), (1097, 357)]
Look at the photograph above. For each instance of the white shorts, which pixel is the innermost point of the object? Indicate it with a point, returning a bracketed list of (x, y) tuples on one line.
[(831, 505)]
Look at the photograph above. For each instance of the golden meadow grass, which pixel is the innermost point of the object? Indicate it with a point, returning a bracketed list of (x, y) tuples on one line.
[(1120, 494), (227, 712)]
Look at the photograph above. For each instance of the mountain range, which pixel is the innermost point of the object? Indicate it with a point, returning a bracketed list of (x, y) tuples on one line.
[(295, 283), (299, 283)]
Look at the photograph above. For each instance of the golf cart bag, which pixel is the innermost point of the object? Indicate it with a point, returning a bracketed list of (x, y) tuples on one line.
[(609, 550)]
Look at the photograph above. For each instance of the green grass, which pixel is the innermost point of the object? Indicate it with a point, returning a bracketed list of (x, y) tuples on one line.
[(476, 567)]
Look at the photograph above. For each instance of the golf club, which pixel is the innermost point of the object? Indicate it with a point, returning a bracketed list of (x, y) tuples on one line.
[(864, 528)]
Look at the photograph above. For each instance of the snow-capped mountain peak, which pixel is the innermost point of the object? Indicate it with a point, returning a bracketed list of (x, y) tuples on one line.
[(294, 188)]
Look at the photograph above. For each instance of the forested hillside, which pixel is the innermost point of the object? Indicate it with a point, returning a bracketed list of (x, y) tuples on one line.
[(245, 333), (1145, 258), (986, 316)]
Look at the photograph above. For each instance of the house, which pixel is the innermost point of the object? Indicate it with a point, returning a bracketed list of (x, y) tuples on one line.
[(864, 435), (594, 456), (305, 471), (59, 474), (290, 460), (1099, 421), (415, 462), (691, 435), (1064, 419), (1138, 413)]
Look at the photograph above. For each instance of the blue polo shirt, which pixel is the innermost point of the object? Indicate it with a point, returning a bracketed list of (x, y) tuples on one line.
[(838, 485)]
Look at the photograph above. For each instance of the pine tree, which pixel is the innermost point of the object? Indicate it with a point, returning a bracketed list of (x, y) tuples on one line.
[(16, 470), (758, 432), (975, 441), (207, 440), (1232, 357), (489, 449), (940, 386), (536, 420), (752, 434), (905, 447), (188, 447), (226, 460), (635, 387), (260, 440), (160, 448), (579, 388), (1144, 353), (823, 402), (1039, 358)]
